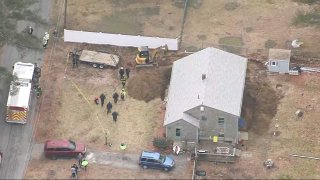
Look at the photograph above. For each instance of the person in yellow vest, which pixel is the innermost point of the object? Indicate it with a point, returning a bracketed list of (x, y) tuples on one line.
[(84, 164), (122, 93), (123, 146), (123, 80)]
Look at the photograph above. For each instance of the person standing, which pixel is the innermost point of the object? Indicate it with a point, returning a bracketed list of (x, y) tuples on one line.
[(55, 33), (123, 81), (127, 72), (79, 157), (44, 42), (45, 39), (96, 100), (115, 97), (74, 59), (102, 98), (121, 72), (115, 116), (84, 164), (74, 171), (122, 93), (123, 146), (47, 36), (109, 107), (30, 30)]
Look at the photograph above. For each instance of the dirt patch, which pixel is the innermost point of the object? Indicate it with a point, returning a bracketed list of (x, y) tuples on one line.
[(149, 84), (68, 111), (260, 100)]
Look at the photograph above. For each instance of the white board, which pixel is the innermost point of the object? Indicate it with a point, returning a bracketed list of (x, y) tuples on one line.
[(119, 39)]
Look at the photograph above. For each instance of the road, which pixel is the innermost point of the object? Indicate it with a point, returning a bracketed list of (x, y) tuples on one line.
[(16, 139)]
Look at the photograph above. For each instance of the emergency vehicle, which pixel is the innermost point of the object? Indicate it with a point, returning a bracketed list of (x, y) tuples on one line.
[(20, 92)]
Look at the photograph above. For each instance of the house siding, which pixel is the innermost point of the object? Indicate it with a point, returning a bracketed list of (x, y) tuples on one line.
[(188, 131), (282, 66), (209, 126)]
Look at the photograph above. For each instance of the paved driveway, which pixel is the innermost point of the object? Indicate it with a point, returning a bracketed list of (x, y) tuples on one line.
[(125, 160), (119, 163), (16, 139)]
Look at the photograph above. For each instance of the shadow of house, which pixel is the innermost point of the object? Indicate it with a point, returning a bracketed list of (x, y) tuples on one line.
[(205, 97)]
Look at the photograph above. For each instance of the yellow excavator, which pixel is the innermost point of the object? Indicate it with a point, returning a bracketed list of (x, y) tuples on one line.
[(144, 59)]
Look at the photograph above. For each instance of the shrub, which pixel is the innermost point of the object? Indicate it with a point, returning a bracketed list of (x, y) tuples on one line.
[(161, 143)]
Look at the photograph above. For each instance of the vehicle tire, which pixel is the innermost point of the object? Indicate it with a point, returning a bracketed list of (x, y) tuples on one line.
[(54, 157), (101, 66), (145, 167), (166, 169), (94, 65)]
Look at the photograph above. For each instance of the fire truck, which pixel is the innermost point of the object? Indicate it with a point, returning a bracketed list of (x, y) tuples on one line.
[(25, 79)]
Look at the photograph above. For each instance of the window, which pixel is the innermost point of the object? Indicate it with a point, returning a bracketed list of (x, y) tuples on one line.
[(62, 149), (221, 124), (162, 159), (203, 118), (143, 159), (150, 160), (178, 132), (273, 63), (220, 121)]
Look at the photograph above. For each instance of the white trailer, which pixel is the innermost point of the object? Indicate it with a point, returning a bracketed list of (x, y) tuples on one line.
[(20, 93), (99, 59)]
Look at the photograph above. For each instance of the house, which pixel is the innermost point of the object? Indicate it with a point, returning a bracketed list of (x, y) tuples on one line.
[(205, 97), (279, 60)]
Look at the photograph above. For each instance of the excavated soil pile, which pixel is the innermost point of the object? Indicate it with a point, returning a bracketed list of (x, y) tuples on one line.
[(260, 100), (149, 84)]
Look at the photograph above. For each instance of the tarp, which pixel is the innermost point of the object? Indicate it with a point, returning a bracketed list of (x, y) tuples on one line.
[(119, 39)]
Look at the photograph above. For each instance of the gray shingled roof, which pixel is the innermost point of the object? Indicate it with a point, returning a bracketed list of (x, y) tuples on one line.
[(222, 89)]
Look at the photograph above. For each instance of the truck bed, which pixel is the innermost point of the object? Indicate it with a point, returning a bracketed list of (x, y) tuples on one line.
[(99, 58)]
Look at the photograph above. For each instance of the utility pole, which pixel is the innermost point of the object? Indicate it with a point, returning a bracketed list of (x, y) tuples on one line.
[(65, 14)]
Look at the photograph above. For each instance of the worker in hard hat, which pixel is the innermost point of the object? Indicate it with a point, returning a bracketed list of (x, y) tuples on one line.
[(121, 72)]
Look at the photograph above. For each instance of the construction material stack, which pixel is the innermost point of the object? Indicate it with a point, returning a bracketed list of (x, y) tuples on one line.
[(20, 92), (95, 59)]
